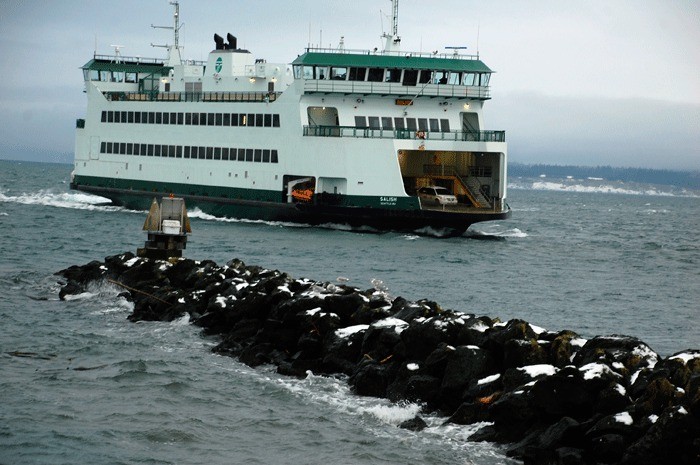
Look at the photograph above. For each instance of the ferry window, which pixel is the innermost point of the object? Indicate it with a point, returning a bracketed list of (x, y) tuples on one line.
[(108, 148), (249, 155), (151, 117), (424, 76), (373, 122), (94, 75), (130, 116), (159, 117), (144, 117), (357, 74), (268, 120), (210, 153), (275, 121), (187, 151), (143, 149), (258, 156), (375, 75), (195, 152), (399, 123), (202, 153), (308, 72), (179, 118), (104, 117), (422, 124), (386, 123), (266, 156), (188, 119), (156, 152), (469, 79), (411, 124), (217, 153), (118, 76), (454, 78), (434, 125), (259, 120), (110, 117), (137, 117), (210, 119), (227, 119), (219, 119), (224, 153), (445, 125), (103, 147), (360, 122), (242, 119), (173, 118), (393, 75), (410, 77), (251, 119), (171, 151), (202, 119), (234, 119), (150, 150), (105, 76), (137, 149), (241, 154), (195, 119), (321, 72), (484, 79), (297, 72), (339, 73), (123, 116), (273, 156), (122, 148), (130, 77), (178, 151), (166, 118), (440, 77)]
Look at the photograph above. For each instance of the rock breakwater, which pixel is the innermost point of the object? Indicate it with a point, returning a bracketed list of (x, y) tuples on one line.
[(553, 397)]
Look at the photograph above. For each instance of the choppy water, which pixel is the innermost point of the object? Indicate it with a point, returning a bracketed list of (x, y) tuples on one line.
[(92, 387)]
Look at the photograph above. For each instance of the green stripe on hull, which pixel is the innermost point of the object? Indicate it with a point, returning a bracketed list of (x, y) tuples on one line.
[(218, 194)]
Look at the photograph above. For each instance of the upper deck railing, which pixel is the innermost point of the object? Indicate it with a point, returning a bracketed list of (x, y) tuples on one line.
[(192, 96), (367, 133), (395, 88), (449, 56)]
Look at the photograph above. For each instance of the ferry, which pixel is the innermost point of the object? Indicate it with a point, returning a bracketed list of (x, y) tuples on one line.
[(384, 139)]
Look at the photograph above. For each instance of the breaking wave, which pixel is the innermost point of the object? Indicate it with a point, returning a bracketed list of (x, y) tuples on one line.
[(599, 186), (71, 200)]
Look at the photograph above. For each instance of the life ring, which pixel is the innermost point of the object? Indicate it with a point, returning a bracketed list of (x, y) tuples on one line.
[(420, 134)]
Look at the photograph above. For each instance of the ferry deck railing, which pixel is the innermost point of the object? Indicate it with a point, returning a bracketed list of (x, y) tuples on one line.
[(192, 96), (396, 88), (367, 133)]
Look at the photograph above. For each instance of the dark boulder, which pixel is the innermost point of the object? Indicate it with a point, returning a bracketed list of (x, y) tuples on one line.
[(414, 424)]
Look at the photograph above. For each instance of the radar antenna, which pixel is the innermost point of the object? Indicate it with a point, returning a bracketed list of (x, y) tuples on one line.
[(456, 50), (117, 52), (393, 40), (174, 49)]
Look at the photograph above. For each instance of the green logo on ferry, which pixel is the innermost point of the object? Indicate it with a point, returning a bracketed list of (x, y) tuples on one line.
[(219, 63)]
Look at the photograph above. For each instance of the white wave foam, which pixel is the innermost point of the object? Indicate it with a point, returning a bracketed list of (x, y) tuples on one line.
[(72, 200), (493, 231), (199, 214), (598, 188)]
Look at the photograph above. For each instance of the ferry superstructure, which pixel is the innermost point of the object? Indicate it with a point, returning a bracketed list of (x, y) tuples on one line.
[(337, 136)]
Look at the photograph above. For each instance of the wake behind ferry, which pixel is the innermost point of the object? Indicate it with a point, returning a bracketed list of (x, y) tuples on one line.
[(381, 138)]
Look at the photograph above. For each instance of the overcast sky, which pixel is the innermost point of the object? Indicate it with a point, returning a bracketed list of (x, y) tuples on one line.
[(591, 82)]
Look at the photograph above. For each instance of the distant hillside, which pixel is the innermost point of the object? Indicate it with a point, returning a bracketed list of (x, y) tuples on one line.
[(681, 179)]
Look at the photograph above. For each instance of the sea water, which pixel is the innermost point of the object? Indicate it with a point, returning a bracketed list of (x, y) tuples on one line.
[(81, 384)]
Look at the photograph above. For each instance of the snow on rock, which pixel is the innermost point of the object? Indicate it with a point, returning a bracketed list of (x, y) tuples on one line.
[(538, 370), (596, 370), (685, 357), (489, 379), (412, 366), (350, 330), (624, 417)]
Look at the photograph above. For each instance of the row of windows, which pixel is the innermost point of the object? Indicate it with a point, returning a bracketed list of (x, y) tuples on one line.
[(407, 77), (189, 151), (413, 124), (266, 120)]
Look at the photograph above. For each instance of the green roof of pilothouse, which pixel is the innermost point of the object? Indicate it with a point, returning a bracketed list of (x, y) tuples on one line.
[(150, 66), (408, 61)]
